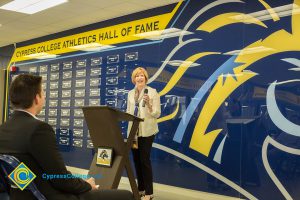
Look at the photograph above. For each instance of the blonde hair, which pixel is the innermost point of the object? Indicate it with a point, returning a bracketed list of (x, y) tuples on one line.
[(138, 70)]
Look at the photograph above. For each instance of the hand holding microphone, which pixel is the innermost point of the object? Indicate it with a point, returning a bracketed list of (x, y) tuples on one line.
[(145, 98)]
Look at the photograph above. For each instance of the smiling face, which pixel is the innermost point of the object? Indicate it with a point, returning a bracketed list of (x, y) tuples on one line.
[(140, 80), (139, 77)]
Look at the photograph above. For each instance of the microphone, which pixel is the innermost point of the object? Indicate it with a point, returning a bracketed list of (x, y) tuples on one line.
[(145, 92)]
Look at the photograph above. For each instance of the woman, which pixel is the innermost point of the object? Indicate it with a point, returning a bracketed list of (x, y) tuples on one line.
[(144, 102)]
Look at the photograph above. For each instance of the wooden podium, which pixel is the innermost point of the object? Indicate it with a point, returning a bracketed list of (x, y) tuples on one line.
[(103, 124)]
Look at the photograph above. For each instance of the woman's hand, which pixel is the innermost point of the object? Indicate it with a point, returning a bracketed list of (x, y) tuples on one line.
[(146, 98)]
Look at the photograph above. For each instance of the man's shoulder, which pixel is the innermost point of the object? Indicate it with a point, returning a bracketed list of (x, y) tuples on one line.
[(24, 120), (42, 124)]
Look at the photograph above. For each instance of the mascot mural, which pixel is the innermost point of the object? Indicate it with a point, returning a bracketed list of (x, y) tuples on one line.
[(251, 49)]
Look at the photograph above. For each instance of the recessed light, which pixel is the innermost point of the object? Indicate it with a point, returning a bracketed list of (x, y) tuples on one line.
[(31, 6)]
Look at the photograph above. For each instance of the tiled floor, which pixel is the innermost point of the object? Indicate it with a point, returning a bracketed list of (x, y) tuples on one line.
[(165, 192)]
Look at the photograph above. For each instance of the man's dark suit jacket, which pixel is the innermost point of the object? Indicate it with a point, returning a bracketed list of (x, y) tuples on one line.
[(33, 143)]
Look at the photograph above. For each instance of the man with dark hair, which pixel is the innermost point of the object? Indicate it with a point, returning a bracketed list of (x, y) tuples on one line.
[(33, 143), (24, 89)]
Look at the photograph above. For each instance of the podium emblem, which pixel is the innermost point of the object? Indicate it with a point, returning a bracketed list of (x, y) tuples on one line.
[(104, 156)]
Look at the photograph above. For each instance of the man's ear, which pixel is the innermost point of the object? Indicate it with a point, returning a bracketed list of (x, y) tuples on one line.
[(36, 99)]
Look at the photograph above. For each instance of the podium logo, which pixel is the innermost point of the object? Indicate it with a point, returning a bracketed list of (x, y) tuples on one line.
[(22, 176)]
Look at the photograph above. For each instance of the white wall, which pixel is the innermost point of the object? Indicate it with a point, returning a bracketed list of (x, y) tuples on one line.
[(5, 56), (1, 93)]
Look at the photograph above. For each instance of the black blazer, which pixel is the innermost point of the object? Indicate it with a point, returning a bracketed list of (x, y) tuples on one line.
[(33, 143)]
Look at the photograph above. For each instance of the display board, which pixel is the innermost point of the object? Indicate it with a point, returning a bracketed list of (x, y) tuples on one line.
[(227, 73)]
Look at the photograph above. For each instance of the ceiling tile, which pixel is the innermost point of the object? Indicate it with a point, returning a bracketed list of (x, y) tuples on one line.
[(126, 8), (8, 16), (105, 4)]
